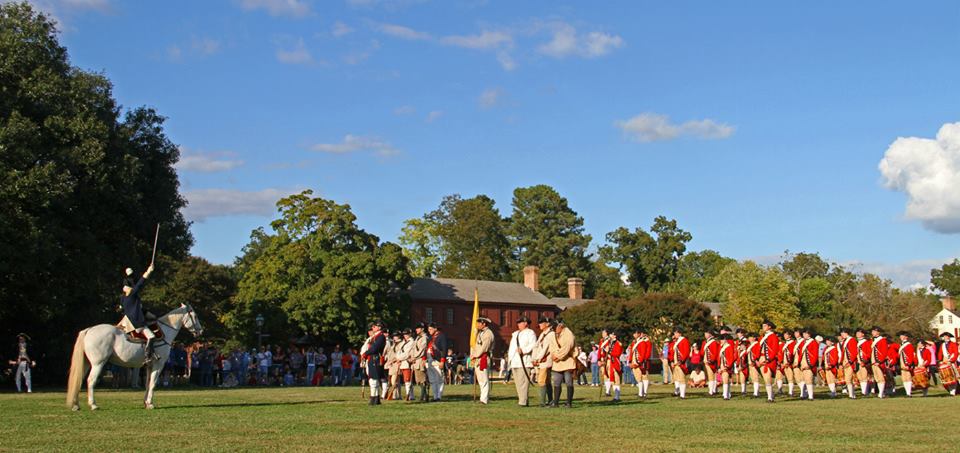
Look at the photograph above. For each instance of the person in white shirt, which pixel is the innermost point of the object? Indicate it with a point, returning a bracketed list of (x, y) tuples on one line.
[(522, 343)]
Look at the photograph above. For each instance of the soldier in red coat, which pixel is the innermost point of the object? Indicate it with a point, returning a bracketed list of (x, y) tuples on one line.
[(831, 365), (785, 359), (711, 359), (809, 357), (847, 350), (947, 356), (614, 367), (727, 359), (907, 361), (864, 346), (892, 364), (753, 356), (638, 356), (678, 357), (769, 350), (878, 357)]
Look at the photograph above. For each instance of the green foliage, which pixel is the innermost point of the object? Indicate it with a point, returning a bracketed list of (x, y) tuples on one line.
[(649, 259), (420, 239), (463, 238), (604, 280), (81, 190), (208, 288), (546, 233), (657, 312), (751, 293), (320, 273), (947, 278), (694, 273), (874, 302)]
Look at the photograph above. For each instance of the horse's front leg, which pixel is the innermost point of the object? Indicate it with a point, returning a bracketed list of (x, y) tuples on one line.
[(152, 377), (95, 369)]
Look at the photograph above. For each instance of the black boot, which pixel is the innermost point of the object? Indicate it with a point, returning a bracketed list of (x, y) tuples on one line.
[(378, 400), (543, 396), (423, 393), (569, 396), (556, 396), (373, 400)]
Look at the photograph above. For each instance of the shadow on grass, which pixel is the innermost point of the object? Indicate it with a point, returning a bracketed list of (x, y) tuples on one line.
[(265, 404)]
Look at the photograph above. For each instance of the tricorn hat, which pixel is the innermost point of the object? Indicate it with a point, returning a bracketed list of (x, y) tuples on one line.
[(523, 318)]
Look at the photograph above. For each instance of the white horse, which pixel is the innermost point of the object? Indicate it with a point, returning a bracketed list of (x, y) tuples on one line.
[(106, 342)]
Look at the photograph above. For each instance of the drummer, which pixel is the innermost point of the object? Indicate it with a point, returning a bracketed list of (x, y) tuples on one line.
[(947, 356), (925, 360)]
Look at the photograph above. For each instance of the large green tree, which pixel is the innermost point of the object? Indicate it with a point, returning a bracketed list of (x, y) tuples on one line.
[(749, 293), (695, 271), (82, 186), (947, 278), (650, 259), (546, 233), (208, 288), (321, 273), (462, 238)]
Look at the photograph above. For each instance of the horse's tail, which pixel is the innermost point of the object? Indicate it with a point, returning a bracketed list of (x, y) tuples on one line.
[(78, 365)]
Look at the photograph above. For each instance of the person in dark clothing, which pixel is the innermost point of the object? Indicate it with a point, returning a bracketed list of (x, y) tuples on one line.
[(133, 318), (373, 356)]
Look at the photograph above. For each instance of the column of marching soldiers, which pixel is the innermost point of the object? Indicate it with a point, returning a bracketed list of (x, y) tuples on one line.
[(856, 361)]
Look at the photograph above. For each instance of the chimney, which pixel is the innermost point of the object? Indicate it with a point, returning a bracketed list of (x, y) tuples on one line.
[(531, 277), (575, 288), (949, 303)]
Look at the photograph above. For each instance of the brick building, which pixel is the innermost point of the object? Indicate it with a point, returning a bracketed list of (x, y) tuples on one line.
[(449, 303)]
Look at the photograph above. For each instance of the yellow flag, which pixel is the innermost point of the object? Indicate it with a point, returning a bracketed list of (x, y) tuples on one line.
[(476, 314)]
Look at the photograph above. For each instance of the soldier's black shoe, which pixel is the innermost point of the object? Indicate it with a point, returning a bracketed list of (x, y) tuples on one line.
[(372, 401), (377, 401)]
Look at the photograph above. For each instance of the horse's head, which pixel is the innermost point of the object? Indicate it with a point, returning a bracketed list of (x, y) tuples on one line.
[(190, 320)]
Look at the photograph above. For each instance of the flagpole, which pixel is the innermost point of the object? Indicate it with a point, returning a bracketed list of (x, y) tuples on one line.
[(473, 335)]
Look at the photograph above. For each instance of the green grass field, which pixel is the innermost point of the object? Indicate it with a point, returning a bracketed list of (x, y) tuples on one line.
[(337, 419)]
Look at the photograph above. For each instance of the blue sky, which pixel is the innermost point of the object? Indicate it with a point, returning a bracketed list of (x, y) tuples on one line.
[(758, 126)]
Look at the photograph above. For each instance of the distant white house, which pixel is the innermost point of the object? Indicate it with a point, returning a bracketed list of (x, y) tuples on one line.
[(948, 320)]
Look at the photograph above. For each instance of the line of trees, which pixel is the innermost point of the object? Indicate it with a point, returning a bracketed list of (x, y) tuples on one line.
[(83, 183)]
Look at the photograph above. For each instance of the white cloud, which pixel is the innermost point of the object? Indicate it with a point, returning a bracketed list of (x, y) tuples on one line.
[(399, 31), (296, 55), (205, 46), (928, 171), (205, 203), (906, 275), (567, 42), (340, 29), (491, 97), (404, 110), (356, 143), (434, 115), (174, 53), (485, 40), (650, 127), (63, 11), (207, 162), (289, 8)]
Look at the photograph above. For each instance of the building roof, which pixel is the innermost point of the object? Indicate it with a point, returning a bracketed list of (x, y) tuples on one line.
[(457, 289), (565, 302)]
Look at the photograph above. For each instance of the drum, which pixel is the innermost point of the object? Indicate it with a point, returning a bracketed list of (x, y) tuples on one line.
[(948, 375), (823, 376), (921, 380), (855, 381)]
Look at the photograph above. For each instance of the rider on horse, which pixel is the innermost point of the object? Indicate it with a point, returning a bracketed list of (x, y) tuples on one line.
[(133, 319)]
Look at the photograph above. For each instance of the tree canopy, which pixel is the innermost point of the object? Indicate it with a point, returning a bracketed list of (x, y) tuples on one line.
[(82, 186), (545, 232), (650, 259), (320, 273), (659, 313), (947, 278)]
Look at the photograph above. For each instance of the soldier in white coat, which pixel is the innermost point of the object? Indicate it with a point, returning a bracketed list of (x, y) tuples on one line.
[(519, 357), (481, 357), (404, 350), (418, 359), (543, 361)]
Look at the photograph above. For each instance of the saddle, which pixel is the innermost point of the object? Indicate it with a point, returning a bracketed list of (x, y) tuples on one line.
[(136, 337)]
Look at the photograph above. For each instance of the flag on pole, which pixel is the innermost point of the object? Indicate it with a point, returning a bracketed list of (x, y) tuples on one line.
[(476, 314)]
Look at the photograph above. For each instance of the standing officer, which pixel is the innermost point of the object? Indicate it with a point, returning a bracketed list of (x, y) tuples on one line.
[(480, 357), (522, 343), (373, 356)]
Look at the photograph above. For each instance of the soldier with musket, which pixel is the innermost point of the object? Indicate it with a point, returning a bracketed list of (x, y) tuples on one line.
[(373, 355), (543, 361), (418, 359)]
